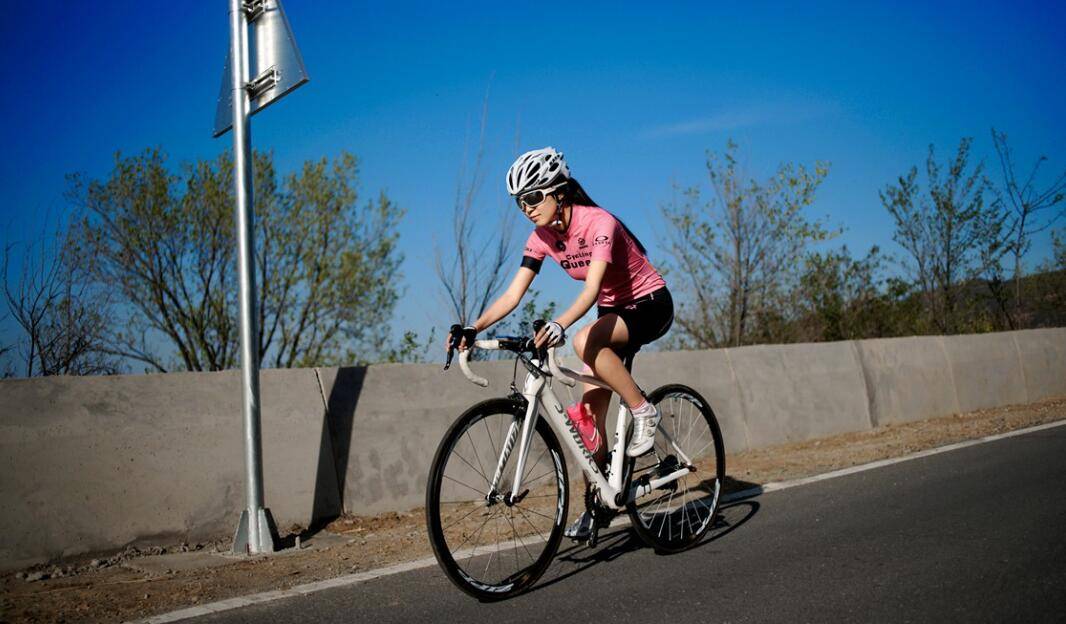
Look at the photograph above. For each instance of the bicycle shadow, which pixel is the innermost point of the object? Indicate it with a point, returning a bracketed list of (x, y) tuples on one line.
[(613, 544), (623, 540)]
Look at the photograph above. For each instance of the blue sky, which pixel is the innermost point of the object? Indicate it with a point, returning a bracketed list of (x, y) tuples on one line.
[(634, 94)]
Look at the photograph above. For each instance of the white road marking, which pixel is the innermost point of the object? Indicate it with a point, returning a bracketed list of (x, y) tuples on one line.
[(352, 579), (784, 485)]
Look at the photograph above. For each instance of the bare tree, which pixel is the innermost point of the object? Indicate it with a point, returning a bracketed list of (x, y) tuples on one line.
[(1027, 202), (63, 319), (736, 254), (472, 270), (953, 234)]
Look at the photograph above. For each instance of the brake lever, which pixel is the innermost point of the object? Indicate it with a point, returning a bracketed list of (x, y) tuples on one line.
[(455, 334)]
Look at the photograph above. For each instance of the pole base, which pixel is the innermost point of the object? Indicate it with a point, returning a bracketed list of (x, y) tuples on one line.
[(268, 534)]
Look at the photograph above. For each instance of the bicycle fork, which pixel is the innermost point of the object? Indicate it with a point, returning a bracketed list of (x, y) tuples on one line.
[(520, 425)]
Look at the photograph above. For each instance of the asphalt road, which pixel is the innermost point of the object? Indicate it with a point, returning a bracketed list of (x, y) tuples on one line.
[(972, 535)]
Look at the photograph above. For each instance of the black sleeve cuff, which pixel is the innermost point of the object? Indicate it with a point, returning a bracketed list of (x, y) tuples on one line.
[(532, 263)]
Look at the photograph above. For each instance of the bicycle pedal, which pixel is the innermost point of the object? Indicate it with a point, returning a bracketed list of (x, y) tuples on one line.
[(594, 537)]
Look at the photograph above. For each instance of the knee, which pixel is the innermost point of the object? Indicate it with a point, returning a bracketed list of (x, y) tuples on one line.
[(580, 342), (597, 397)]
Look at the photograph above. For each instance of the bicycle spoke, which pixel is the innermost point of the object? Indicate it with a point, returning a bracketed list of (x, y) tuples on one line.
[(550, 472), (476, 543), (480, 474), (684, 515), (483, 494), (493, 553), (693, 457), (517, 539), (661, 500), (477, 457), (667, 514), (696, 512), (683, 509), (467, 515), (492, 443), (460, 546), (677, 422), (711, 441), (533, 511), (688, 436), (532, 526), (529, 468)]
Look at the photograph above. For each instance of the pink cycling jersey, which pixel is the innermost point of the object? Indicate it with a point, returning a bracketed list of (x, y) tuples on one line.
[(594, 234)]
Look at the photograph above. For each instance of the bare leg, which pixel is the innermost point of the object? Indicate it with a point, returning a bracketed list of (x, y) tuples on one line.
[(596, 345)]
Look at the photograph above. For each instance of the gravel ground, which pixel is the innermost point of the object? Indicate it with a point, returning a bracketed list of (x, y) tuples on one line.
[(133, 584)]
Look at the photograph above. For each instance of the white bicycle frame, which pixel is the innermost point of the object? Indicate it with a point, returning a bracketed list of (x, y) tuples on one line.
[(538, 393)]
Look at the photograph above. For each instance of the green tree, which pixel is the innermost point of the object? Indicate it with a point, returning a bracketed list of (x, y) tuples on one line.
[(1045, 290), (409, 348), (1058, 253), (735, 254), (326, 265), (842, 296), (953, 233)]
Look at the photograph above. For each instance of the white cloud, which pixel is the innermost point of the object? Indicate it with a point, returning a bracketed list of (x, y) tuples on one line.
[(724, 121)]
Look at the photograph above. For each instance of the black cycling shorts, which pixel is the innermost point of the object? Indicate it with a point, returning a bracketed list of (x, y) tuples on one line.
[(647, 318)]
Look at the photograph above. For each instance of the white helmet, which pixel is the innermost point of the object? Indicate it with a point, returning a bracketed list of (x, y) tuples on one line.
[(536, 169)]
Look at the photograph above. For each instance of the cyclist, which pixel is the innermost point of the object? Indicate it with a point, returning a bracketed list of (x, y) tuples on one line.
[(634, 306)]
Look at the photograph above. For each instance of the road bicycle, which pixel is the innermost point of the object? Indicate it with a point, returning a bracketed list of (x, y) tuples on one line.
[(498, 491)]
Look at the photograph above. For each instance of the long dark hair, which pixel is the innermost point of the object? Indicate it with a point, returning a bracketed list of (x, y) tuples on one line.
[(575, 195)]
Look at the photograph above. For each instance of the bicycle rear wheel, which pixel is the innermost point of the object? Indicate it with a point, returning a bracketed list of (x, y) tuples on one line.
[(676, 515), (494, 543)]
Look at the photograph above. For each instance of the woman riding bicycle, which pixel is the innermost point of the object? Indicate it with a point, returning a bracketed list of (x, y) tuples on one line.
[(634, 306)]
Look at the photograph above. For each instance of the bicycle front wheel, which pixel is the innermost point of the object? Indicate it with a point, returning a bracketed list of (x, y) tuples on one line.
[(493, 542), (676, 515)]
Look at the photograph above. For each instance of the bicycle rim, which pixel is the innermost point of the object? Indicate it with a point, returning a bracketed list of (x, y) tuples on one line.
[(675, 516), (489, 548)]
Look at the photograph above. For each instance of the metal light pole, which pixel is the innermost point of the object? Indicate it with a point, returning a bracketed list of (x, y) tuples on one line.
[(279, 70), (254, 519)]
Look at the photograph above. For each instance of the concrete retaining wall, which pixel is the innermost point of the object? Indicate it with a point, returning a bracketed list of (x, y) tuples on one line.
[(1043, 356), (985, 370), (798, 392), (707, 372), (907, 379), (93, 464), (386, 422)]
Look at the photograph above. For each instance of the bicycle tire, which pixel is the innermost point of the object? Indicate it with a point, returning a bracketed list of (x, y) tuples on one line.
[(445, 517), (656, 517)]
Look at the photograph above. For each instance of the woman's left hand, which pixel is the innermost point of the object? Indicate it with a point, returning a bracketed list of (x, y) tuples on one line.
[(549, 335)]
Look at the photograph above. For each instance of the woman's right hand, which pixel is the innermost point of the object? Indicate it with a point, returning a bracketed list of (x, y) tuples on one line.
[(459, 337)]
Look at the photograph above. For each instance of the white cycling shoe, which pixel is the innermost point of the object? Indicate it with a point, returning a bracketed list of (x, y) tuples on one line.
[(581, 528), (643, 433)]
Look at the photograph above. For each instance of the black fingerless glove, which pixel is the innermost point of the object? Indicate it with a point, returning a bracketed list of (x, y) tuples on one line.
[(458, 332)]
